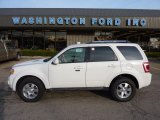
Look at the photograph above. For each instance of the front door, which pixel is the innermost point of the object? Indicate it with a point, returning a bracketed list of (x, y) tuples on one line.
[(71, 70)]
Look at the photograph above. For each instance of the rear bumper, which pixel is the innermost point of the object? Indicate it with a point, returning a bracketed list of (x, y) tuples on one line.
[(146, 80)]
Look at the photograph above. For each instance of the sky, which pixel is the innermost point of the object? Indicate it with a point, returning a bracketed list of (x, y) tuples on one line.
[(123, 4)]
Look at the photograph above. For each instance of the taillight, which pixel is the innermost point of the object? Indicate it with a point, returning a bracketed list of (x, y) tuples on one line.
[(146, 67)]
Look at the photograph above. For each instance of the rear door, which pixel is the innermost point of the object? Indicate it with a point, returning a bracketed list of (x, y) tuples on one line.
[(102, 65)]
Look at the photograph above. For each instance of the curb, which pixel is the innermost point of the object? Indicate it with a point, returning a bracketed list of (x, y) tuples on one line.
[(34, 57)]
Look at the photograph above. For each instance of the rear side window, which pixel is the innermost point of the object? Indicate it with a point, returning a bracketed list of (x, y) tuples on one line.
[(102, 54), (130, 52)]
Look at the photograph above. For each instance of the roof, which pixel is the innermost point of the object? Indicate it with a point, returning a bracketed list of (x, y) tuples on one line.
[(104, 44), (80, 12)]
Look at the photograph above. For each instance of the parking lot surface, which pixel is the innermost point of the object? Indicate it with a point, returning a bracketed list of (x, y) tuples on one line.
[(80, 105)]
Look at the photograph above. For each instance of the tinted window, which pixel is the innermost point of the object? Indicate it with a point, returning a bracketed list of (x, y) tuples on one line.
[(130, 52), (102, 54), (73, 56)]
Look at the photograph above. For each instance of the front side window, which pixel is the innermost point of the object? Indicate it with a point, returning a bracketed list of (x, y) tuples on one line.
[(73, 55), (102, 54)]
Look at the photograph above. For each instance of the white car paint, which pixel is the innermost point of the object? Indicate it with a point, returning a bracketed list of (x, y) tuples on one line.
[(36, 68), (91, 74)]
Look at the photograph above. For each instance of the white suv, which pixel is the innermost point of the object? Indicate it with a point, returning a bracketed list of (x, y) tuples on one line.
[(121, 67)]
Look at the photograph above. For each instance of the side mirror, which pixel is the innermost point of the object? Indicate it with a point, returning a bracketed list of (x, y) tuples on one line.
[(55, 61)]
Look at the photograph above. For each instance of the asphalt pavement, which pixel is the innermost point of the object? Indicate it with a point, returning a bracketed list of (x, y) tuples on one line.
[(80, 105)]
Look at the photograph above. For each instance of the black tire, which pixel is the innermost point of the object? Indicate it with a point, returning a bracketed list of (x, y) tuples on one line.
[(27, 82), (128, 92)]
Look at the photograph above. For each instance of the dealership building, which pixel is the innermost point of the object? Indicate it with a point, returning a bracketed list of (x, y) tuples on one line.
[(47, 28)]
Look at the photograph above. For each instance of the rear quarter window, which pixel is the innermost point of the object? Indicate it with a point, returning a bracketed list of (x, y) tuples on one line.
[(130, 52)]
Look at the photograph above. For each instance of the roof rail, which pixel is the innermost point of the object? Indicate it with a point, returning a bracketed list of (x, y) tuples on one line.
[(109, 41)]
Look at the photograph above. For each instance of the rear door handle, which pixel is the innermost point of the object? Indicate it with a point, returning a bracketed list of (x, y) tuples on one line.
[(111, 66)]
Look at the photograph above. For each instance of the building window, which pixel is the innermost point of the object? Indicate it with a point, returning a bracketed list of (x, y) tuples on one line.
[(55, 40), (28, 42), (61, 40), (17, 37), (99, 35), (154, 44), (39, 42), (50, 40)]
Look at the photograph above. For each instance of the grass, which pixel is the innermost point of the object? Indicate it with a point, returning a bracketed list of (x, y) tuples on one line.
[(29, 52)]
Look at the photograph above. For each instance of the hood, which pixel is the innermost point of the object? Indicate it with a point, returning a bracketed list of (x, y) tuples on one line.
[(31, 62)]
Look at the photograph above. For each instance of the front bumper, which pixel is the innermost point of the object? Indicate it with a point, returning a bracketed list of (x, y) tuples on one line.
[(10, 81)]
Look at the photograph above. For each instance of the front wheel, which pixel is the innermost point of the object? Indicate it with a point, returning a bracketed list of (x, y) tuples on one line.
[(123, 89), (30, 89)]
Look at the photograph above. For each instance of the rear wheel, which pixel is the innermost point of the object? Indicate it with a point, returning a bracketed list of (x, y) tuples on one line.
[(30, 89), (123, 89)]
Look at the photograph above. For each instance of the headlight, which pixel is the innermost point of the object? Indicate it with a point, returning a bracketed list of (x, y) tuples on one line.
[(12, 71)]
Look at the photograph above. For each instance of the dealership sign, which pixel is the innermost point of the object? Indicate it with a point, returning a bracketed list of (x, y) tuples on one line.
[(77, 21)]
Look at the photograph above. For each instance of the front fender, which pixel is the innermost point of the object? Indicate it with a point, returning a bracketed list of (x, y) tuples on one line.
[(41, 76)]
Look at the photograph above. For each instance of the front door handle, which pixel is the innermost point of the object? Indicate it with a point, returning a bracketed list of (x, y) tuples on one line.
[(78, 68)]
